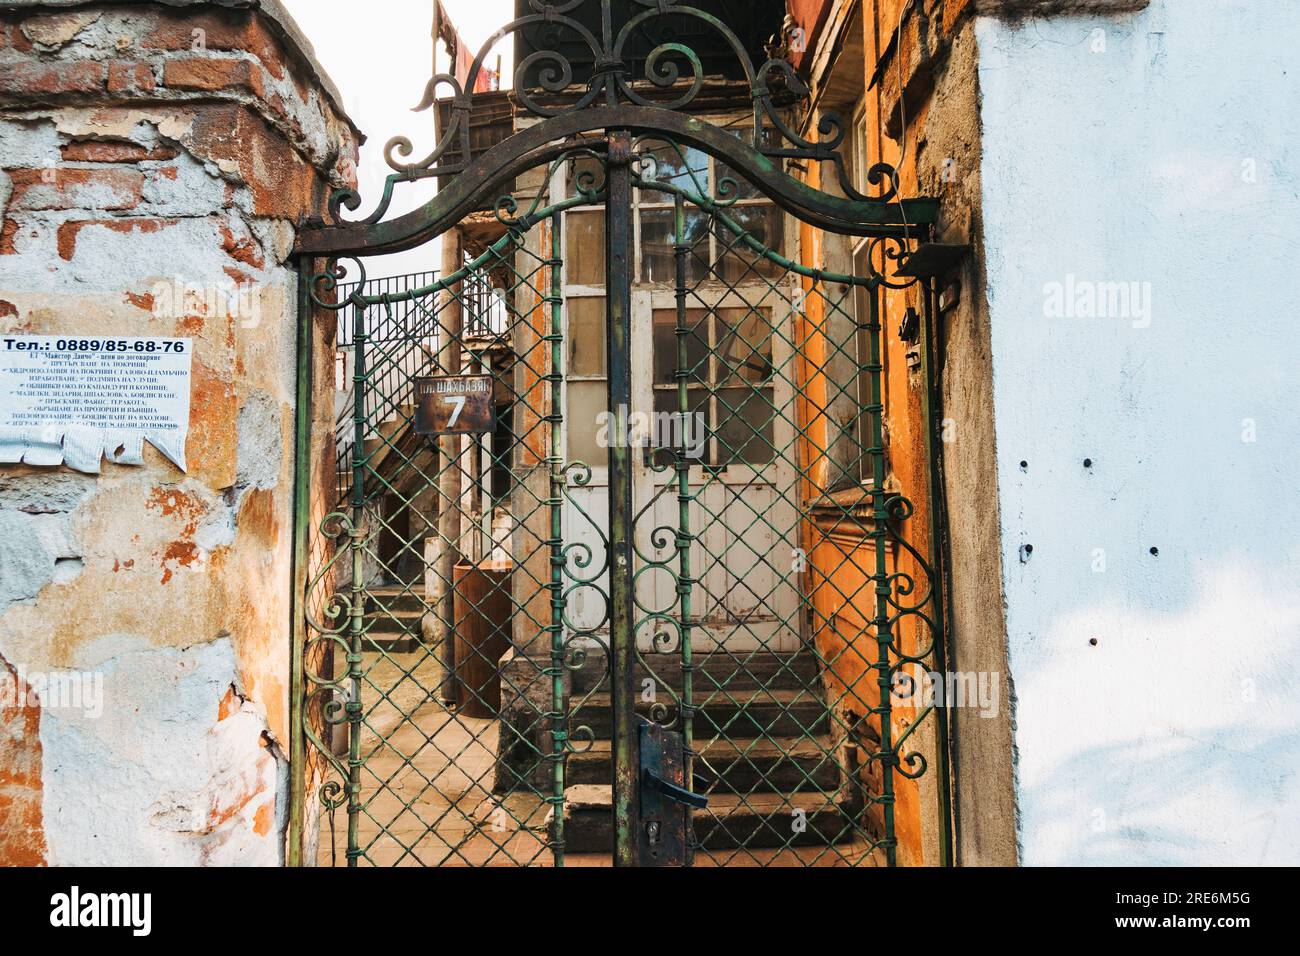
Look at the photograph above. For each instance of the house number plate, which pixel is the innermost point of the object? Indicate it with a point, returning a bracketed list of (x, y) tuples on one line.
[(454, 405)]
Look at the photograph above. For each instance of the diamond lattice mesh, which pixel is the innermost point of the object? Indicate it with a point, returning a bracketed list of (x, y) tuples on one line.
[(460, 706)]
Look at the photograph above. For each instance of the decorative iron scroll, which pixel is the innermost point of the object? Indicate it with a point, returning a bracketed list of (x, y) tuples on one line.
[(805, 760), (672, 79), (899, 601)]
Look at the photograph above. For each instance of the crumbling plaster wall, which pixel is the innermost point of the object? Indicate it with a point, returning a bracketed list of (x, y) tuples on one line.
[(948, 166), (925, 66), (146, 148)]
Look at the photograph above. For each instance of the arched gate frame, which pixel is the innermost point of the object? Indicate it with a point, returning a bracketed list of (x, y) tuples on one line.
[(684, 647)]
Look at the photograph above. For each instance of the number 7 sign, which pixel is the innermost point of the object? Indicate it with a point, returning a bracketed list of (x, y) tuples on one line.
[(454, 405)]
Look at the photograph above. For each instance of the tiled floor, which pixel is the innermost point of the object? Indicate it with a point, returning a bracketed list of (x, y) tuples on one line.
[(427, 782)]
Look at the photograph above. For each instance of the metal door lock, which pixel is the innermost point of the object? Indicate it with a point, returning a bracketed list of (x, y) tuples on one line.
[(665, 800), (651, 780)]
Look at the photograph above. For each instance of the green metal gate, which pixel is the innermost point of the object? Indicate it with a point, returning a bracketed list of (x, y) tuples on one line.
[(608, 564)]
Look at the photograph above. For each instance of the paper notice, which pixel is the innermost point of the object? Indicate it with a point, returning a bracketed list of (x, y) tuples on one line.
[(73, 401)]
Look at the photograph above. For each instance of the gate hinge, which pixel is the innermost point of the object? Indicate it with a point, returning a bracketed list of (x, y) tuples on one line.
[(932, 259)]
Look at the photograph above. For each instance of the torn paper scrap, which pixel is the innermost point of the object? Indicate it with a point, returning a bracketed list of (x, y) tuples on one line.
[(77, 400)]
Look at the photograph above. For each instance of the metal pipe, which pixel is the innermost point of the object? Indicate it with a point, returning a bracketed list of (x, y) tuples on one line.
[(939, 502), (938, 566)]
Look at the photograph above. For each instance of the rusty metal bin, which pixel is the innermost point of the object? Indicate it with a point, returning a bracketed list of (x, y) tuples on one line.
[(482, 613)]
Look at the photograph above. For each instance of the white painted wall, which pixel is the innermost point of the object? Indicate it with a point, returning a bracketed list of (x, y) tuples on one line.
[(1170, 157)]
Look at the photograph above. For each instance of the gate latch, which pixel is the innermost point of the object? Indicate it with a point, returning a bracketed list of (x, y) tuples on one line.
[(650, 780), (665, 801)]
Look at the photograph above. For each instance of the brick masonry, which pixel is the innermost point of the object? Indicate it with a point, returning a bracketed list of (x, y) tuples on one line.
[(149, 154)]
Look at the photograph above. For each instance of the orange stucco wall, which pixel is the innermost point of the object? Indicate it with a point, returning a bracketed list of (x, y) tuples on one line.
[(841, 565)]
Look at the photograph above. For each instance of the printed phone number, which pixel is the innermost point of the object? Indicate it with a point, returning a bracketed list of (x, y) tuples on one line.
[(142, 346)]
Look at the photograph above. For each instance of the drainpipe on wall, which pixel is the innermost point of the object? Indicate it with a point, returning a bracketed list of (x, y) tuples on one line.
[(932, 414)]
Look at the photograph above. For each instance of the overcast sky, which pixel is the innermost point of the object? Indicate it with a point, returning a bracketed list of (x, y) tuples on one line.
[(380, 55)]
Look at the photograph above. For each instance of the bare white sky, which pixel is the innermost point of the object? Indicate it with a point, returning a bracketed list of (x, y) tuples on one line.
[(380, 55)]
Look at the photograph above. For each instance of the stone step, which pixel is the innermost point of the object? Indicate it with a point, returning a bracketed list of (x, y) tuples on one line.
[(729, 713), (394, 631), (392, 643), (754, 821), (743, 670), (785, 765), (397, 599)]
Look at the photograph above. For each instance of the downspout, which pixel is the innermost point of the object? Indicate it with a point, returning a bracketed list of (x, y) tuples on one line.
[(932, 415)]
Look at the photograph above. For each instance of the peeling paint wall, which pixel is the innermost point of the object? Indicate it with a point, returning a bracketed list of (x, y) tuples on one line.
[(152, 160), (1146, 454)]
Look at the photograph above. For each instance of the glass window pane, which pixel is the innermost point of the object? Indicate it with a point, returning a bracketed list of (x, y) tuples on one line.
[(744, 346), (746, 425), (584, 415), (737, 262), (672, 430), (744, 188), (584, 254), (860, 155), (665, 345), (586, 335), (682, 166), (657, 240)]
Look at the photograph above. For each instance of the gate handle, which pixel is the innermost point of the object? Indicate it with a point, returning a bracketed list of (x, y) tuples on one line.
[(673, 792)]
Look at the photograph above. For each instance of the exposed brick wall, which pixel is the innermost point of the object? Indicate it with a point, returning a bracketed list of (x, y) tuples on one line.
[(22, 838), (146, 150)]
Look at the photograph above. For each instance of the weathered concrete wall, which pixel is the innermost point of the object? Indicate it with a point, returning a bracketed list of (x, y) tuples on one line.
[(948, 161), (152, 156), (923, 116), (1146, 431)]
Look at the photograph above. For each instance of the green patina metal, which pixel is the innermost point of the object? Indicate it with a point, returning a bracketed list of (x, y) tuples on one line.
[(786, 720), (622, 580), (555, 461), (301, 523), (681, 465)]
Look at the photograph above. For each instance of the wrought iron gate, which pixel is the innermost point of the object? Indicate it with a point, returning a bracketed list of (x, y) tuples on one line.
[(609, 562)]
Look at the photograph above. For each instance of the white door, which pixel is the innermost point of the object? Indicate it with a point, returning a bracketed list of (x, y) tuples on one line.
[(739, 441), (743, 478)]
